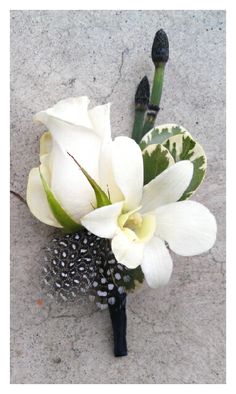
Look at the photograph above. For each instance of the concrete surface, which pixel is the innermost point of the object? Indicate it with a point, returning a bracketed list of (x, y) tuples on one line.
[(175, 334)]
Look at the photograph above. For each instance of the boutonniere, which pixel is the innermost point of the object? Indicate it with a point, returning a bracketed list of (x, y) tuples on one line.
[(122, 204)]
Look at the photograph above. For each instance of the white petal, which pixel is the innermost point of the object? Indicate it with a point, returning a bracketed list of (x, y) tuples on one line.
[(127, 164), (45, 144), (127, 251), (72, 110), (37, 200), (157, 263), (188, 227), (106, 174), (82, 143), (70, 186), (68, 121), (100, 118), (168, 186), (103, 221)]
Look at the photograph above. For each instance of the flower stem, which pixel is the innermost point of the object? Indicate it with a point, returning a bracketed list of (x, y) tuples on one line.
[(141, 101), (119, 324), (138, 125), (160, 56), (153, 107), (157, 84)]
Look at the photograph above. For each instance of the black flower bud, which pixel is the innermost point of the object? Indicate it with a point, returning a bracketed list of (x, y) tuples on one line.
[(160, 48), (142, 94)]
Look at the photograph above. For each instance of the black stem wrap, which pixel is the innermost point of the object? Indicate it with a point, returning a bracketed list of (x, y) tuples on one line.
[(119, 324)]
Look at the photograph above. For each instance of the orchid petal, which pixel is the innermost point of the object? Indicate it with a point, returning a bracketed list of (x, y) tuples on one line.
[(126, 248), (103, 221), (188, 227), (157, 264), (127, 164), (167, 187)]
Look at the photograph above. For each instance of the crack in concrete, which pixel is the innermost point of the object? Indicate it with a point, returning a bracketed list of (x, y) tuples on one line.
[(66, 316), (119, 74), (18, 196), (73, 316)]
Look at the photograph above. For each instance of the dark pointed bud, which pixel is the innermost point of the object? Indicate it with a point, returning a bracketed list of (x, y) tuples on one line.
[(160, 48), (142, 94)]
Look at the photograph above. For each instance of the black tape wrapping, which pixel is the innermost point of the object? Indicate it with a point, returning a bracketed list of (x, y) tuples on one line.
[(119, 324)]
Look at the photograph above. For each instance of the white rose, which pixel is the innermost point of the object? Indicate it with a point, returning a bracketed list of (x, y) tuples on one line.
[(74, 129)]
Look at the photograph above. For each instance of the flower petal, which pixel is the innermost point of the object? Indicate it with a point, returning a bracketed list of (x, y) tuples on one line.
[(106, 174), (103, 221), (69, 184), (167, 187), (70, 126), (157, 263), (59, 213), (37, 200), (147, 229), (127, 164), (100, 118), (45, 144), (127, 251), (188, 227), (72, 110)]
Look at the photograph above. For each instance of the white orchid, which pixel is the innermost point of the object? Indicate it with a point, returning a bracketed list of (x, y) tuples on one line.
[(150, 215), (138, 219)]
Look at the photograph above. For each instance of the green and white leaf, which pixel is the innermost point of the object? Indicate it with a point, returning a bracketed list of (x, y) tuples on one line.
[(156, 159), (59, 213), (135, 279), (160, 134), (184, 147)]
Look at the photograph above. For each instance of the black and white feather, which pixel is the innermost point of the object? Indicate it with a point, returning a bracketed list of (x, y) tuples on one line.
[(82, 263)]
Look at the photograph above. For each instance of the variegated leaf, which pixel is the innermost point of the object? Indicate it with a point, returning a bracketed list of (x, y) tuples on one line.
[(156, 159), (184, 147), (161, 133)]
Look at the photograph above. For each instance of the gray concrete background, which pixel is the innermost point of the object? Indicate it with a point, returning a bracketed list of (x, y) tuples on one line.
[(175, 334)]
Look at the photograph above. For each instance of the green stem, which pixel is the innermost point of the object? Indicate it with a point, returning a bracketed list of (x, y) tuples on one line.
[(138, 125), (157, 84), (149, 124), (155, 98)]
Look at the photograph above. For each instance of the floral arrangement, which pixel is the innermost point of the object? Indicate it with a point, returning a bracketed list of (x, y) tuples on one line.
[(122, 203)]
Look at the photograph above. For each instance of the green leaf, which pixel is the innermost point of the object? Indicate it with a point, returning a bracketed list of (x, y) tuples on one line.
[(156, 159), (184, 147), (160, 134), (101, 197), (60, 214), (135, 278)]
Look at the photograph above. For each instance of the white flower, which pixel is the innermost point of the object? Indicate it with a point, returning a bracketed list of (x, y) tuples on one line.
[(140, 219), (80, 131)]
